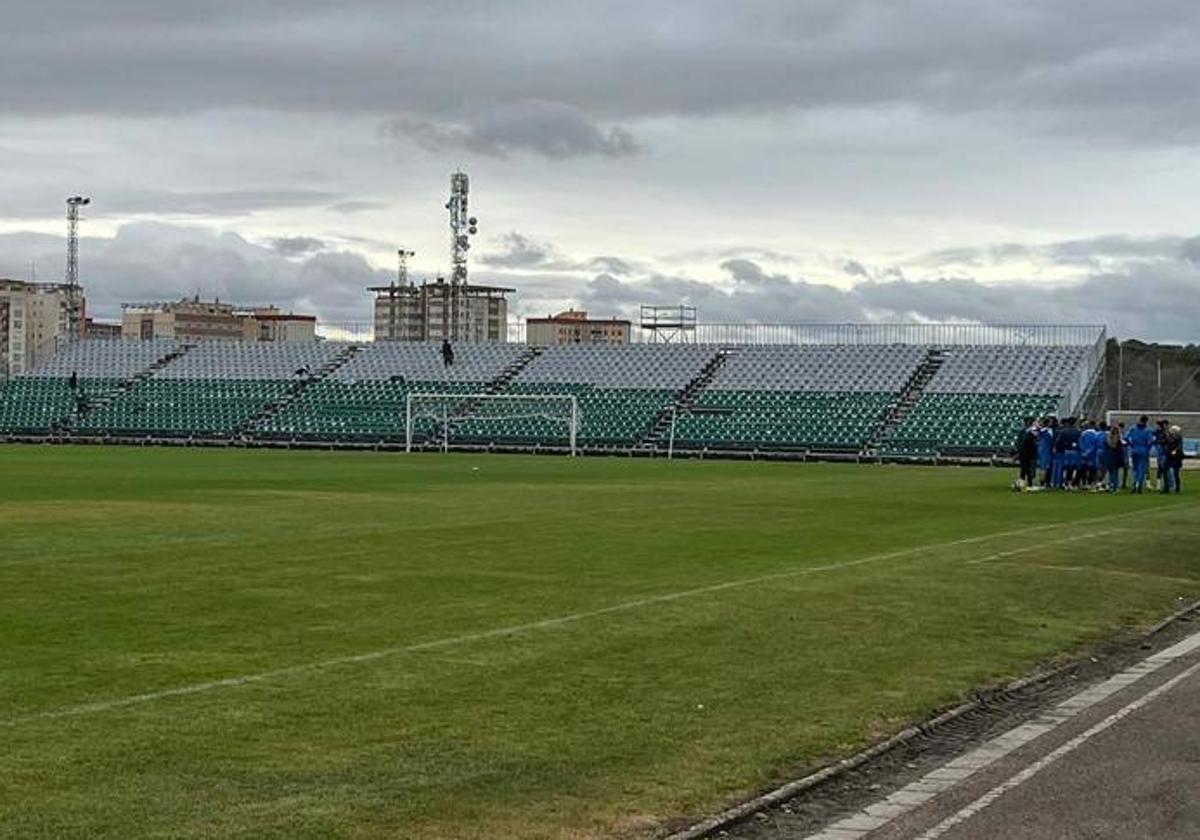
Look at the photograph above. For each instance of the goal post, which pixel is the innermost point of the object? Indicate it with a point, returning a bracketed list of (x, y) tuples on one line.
[(441, 417)]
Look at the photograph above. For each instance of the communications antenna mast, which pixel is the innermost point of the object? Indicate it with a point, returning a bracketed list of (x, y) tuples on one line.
[(73, 290), (402, 267), (462, 227)]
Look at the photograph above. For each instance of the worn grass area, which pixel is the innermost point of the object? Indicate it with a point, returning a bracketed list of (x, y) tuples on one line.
[(699, 631)]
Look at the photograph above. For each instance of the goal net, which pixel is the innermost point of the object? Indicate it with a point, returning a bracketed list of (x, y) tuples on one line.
[(1187, 421), (445, 420)]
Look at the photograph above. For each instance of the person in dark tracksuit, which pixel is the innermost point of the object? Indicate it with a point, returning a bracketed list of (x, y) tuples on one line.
[(1124, 456), (1114, 458), (1088, 438), (447, 353), (1027, 451), (1162, 472), (1175, 457), (1066, 450)]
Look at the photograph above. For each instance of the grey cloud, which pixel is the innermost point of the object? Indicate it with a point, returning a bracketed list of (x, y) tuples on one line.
[(1189, 250), (855, 269), (297, 246), (1091, 68), (150, 261), (1154, 304), (613, 265), (1149, 299), (214, 203), (352, 207), (1147, 290), (552, 129), (520, 251), (1091, 251)]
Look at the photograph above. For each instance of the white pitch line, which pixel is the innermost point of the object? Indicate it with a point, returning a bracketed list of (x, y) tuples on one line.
[(1069, 747), (1037, 546), (936, 782), (558, 621)]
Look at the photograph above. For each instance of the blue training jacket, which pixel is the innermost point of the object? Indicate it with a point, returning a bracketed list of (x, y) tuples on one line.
[(1045, 445), (1141, 438), (1087, 442)]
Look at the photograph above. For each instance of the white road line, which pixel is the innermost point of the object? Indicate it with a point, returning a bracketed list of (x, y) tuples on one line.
[(1033, 769), (559, 621), (913, 795)]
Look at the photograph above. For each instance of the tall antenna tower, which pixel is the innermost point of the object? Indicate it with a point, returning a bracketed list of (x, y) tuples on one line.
[(402, 267), (462, 227), (73, 290)]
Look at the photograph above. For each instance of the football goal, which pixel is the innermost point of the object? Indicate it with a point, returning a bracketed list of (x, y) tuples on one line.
[(519, 419)]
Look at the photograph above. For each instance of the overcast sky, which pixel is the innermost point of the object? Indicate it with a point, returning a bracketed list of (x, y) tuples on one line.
[(769, 160)]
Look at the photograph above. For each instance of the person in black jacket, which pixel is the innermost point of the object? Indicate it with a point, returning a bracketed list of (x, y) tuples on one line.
[(1162, 439), (1027, 451), (447, 353), (1174, 458)]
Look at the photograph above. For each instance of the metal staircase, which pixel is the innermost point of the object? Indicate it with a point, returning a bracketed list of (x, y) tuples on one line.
[(910, 395), (685, 399), (84, 408), (500, 384), (295, 390)]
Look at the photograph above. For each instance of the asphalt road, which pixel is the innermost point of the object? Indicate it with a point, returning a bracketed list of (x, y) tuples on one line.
[(1123, 765)]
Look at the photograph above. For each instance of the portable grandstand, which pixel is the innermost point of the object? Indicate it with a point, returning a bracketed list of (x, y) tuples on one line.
[(800, 397), (925, 391), (42, 401), (978, 396), (211, 389)]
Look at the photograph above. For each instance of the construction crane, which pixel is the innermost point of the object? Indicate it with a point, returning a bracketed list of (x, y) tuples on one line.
[(74, 292)]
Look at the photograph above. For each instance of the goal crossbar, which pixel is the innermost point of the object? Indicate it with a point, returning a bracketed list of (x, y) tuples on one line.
[(459, 407)]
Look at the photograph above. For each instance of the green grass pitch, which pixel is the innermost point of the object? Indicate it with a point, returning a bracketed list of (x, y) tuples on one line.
[(199, 643)]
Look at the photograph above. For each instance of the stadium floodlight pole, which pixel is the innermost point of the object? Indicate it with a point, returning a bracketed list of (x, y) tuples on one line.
[(74, 294)]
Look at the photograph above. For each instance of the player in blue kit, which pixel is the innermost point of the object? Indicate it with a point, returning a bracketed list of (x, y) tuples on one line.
[(1046, 449), (1141, 438), (1070, 454), (1087, 453), (1098, 455)]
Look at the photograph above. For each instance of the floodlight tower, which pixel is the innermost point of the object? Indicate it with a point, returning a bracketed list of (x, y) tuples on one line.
[(462, 227), (73, 290)]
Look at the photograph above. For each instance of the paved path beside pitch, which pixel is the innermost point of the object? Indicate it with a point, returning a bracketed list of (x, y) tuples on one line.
[(1119, 761)]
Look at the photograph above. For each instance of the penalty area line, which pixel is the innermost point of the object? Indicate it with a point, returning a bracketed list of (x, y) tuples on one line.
[(542, 624)]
